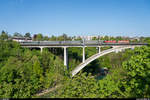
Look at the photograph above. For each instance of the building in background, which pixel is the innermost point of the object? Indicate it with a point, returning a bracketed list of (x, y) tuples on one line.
[(22, 39), (90, 37)]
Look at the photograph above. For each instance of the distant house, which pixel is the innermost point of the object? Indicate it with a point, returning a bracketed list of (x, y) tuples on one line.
[(21, 39), (135, 38), (89, 37)]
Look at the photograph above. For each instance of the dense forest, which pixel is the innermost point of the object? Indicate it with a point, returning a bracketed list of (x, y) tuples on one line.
[(25, 72)]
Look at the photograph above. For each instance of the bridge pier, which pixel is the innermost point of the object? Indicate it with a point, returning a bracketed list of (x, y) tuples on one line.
[(65, 57), (83, 54), (116, 51), (41, 49), (99, 49)]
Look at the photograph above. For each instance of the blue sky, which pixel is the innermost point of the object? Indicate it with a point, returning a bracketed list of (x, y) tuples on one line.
[(76, 17)]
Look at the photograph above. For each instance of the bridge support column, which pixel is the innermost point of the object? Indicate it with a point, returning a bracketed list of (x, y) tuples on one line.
[(116, 51), (83, 55), (41, 49), (99, 49), (65, 57)]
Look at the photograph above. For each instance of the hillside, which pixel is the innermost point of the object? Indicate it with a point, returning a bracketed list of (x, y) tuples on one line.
[(26, 72)]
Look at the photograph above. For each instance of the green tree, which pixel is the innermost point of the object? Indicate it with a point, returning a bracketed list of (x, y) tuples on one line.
[(45, 38), (37, 69), (27, 35), (79, 86), (39, 37), (137, 78), (22, 72), (53, 38), (4, 35), (17, 34)]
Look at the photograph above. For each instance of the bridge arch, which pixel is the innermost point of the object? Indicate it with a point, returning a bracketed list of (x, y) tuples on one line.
[(95, 56)]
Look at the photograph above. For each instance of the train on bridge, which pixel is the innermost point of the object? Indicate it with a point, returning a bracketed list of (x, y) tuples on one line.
[(77, 43), (120, 41)]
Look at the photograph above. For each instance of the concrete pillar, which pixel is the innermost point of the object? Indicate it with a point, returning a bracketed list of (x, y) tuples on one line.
[(65, 57), (116, 51), (83, 54), (41, 49), (99, 49)]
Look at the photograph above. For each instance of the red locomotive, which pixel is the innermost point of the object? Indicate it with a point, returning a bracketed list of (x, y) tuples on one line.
[(114, 41)]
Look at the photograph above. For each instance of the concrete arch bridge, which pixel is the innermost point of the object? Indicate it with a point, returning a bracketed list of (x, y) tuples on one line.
[(97, 55), (116, 47)]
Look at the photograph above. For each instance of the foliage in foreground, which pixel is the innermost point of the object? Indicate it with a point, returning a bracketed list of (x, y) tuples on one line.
[(129, 81), (24, 72), (137, 81), (86, 86)]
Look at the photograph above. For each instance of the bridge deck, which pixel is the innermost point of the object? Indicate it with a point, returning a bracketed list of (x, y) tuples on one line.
[(75, 43)]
